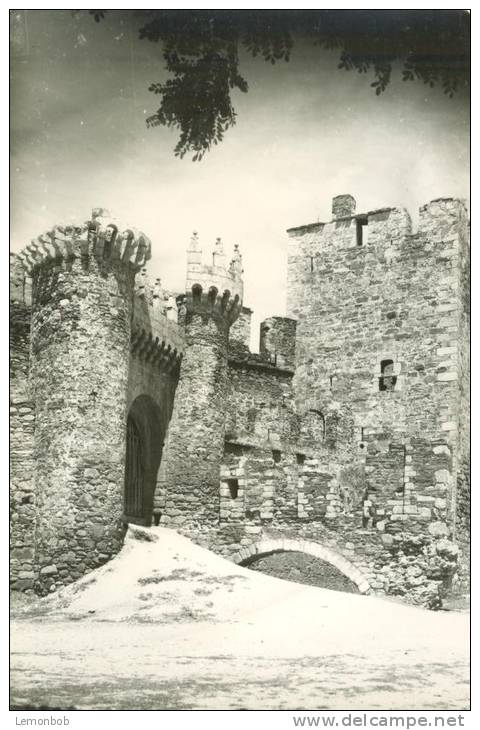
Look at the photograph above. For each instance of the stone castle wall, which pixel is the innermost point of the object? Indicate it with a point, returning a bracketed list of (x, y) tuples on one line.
[(240, 331), (462, 501), (346, 439), (277, 341), (393, 298), (157, 348), (367, 293), (22, 427)]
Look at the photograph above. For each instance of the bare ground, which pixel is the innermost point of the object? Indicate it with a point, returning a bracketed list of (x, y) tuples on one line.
[(169, 625)]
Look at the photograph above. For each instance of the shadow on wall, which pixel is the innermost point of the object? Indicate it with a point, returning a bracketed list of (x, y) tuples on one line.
[(300, 567)]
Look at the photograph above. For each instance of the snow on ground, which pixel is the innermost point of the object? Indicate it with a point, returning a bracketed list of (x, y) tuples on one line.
[(169, 625)]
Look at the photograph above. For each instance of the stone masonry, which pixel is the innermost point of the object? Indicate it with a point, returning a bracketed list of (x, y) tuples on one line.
[(343, 445)]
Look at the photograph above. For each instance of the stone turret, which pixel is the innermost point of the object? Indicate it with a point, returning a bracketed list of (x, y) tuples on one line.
[(82, 292), (214, 291), (194, 445)]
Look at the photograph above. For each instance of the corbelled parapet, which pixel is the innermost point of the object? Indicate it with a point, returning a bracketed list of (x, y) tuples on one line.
[(102, 237), (217, 290), (156, 335)]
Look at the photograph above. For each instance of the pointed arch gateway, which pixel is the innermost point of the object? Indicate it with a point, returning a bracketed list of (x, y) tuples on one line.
[(267, 547)]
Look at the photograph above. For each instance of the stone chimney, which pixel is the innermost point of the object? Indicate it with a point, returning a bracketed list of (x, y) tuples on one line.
[(343, 206)]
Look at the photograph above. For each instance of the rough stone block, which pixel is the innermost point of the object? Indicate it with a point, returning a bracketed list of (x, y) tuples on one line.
[(438, 529), (447, 377), (449, 426), (26, 575), (442, 449), (49, 570), (443, 476)]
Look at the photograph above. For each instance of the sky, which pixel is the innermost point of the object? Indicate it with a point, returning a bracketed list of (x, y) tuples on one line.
[(305, 132)]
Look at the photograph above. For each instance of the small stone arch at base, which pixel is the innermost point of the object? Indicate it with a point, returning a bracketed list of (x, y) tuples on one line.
[(266, 547)]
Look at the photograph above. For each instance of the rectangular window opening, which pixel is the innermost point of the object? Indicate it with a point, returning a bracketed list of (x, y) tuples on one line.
[(387, 380), (277, 456), (300, 459), (362, 231), (233, 488)]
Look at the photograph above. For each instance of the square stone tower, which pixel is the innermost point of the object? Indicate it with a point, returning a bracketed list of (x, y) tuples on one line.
[(382, 329)]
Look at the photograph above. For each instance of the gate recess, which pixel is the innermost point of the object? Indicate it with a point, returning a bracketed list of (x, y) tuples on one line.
[(134, 472)]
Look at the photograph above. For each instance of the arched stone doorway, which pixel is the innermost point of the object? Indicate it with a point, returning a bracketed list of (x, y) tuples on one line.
[(298, 567), (144, 444), (247, 556)]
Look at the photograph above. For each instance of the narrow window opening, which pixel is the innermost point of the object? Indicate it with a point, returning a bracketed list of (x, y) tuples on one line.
[(362, 231), (109, 237), (369, 508), (277, 456), (387, 380), (311, 263), (233, 488), (251, 418), (362, 437)]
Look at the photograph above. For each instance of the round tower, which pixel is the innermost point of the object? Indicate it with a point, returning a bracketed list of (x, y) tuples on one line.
[(82, 290), (195, 439)]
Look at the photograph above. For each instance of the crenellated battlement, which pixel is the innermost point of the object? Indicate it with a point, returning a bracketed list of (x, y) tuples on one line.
[(350, 228), (214, 289), (102, 237), (442, 218), (358, 243), (155, 296)]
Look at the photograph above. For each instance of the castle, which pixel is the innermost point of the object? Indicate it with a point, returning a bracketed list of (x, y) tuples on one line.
[(346, 438)]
